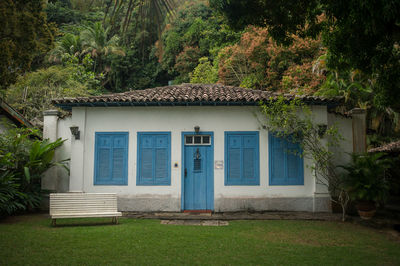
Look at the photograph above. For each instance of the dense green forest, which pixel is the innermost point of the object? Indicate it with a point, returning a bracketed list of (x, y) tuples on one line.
[(60, 48)]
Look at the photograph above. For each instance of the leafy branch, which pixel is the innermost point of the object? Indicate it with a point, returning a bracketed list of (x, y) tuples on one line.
[(294, 121), (23, 160)]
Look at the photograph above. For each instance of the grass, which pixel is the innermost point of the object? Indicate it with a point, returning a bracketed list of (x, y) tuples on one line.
[(30, 240)]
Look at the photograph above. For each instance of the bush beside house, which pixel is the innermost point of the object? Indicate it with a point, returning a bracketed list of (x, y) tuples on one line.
[(24, 157)]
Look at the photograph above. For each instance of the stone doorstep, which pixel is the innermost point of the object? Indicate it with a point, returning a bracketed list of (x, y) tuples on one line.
[(163, 214), (195, 222)]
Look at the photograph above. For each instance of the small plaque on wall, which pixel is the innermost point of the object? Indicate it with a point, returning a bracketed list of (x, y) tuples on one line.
[(219, 164)]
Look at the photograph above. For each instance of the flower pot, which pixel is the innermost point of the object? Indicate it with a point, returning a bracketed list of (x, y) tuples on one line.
[(366, 209)]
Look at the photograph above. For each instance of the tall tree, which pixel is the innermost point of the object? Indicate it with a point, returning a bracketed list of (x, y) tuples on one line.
[(196, 32), (359, 34), (32, 93), (95, 40), (258, 62), (24, 35), (69, 44), (119, 13)]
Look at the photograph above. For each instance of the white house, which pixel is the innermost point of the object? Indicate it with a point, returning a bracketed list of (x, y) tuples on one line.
[(187, 147)]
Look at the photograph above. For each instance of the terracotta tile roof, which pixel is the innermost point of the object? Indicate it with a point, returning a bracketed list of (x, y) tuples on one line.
[(187, 94), (393, 147)]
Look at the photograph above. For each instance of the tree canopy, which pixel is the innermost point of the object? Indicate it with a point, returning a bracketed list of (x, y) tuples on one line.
[(359, 34), (25, 36), (77, 47)]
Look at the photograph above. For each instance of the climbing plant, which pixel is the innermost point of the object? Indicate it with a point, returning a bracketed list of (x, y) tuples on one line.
[(294, 121)]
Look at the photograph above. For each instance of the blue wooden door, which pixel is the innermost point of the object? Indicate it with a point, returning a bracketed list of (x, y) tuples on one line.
[(198, 177)]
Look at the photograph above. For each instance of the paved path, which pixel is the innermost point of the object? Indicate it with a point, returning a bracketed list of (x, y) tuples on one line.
[(196, 222), (229, 216)]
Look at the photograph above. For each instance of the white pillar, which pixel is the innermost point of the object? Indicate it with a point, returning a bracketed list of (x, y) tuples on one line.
[(50, 119), (359, 130), (77, 151)]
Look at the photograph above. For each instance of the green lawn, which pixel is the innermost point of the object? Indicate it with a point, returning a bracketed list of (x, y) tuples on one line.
[(31, 240)]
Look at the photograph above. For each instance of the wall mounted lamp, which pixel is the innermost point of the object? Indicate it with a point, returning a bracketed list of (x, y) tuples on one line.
[(75, 132), (197, 129)]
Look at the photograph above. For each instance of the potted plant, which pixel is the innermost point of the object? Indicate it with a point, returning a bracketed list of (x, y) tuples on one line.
[(365, 181)]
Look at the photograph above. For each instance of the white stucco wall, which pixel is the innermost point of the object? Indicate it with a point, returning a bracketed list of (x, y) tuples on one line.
[(217, 119), (57, 178), (344, 126), (63, 153)]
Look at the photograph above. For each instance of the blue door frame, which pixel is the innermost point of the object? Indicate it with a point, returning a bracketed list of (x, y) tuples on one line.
[(201, 194)]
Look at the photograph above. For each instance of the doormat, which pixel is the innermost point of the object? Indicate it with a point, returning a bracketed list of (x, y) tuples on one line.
[(196, 222)]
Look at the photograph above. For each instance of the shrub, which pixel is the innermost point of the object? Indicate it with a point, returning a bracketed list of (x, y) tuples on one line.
[(10, 196), (23, 160), (365, 178)]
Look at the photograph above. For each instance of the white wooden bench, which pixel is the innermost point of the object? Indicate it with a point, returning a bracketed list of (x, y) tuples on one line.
[(79, 205)]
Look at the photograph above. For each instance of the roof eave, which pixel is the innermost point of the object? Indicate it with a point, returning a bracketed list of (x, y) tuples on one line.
[(69, 105), (14, 115)]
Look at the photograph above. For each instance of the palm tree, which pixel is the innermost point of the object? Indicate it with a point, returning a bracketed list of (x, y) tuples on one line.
[(153, 11), (96, 42), (69, 44)]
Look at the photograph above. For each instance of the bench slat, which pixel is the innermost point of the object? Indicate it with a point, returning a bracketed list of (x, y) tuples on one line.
[(77, 204), (86, 215), (84, 202)]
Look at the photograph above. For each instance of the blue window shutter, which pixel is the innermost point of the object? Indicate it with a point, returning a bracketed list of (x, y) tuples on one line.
[(145, 156), (102, 163), (118, 158), (111, 158), (242, 158), (154, 158), (248, 163), (277, 159), (249, 158), (234, 154), (161, 158), (146, 165), (161, 161), (286, 166), (295, 171)]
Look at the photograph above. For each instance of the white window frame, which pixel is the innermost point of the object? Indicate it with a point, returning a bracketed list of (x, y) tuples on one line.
[(198, 144)]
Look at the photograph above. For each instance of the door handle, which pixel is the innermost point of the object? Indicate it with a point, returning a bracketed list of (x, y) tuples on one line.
[(185, 172)]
